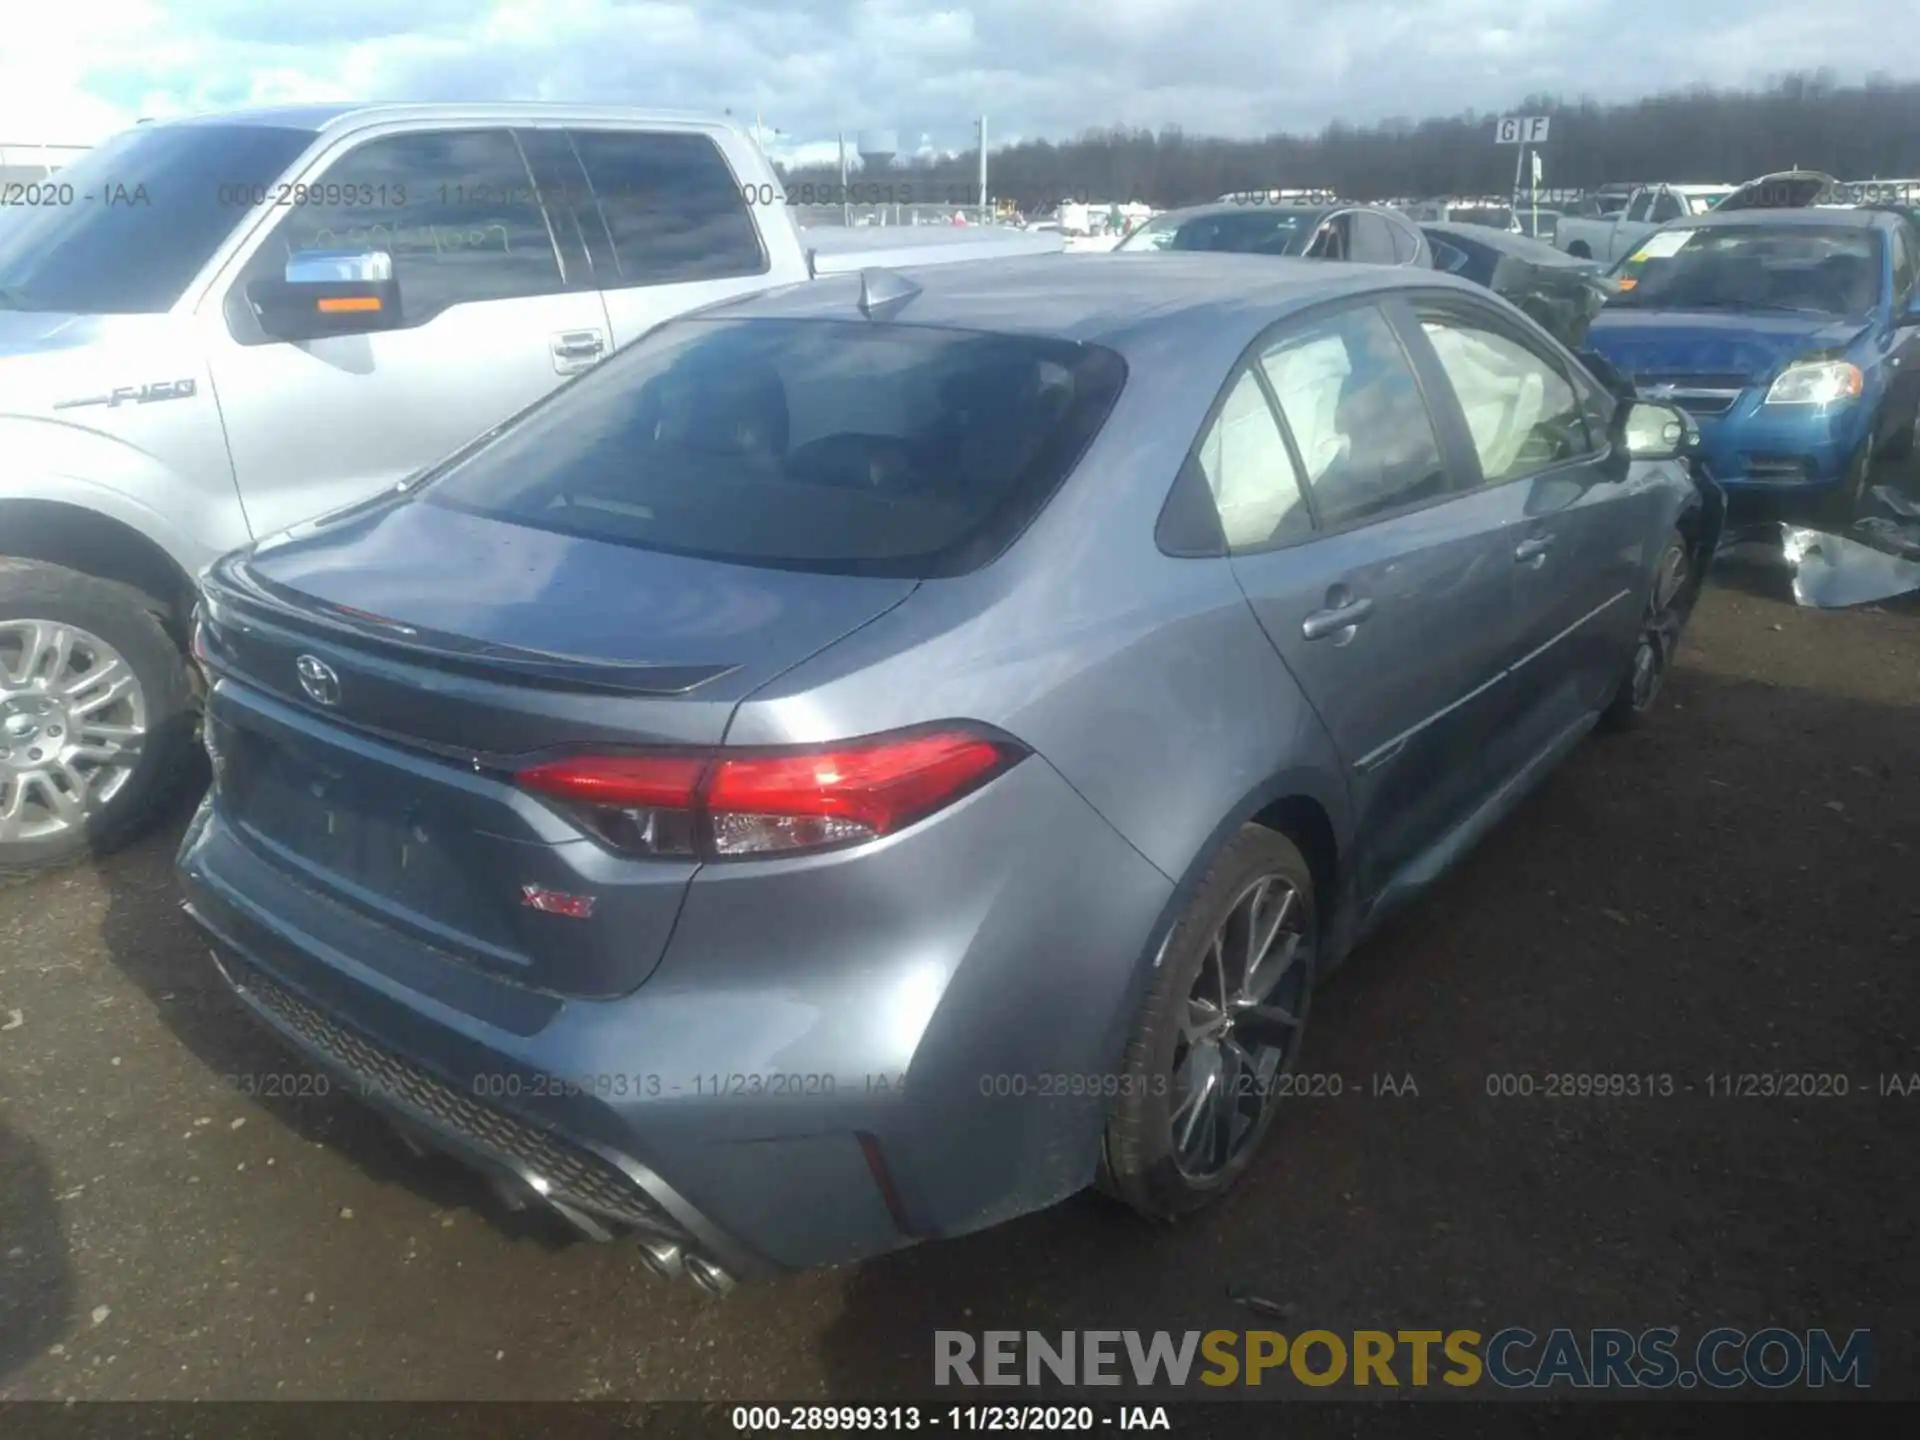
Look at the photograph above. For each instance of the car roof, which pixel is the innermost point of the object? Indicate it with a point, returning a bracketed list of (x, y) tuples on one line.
[(1272, 207), (1129, 302), (1844, 217), (1525, 246), (343, 114)]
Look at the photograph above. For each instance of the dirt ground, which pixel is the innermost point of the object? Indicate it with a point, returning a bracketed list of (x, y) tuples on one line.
[(1734, 889)]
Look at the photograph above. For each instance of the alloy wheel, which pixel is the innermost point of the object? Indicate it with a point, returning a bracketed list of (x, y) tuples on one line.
[(1660, 632), (72, 720), (1244, 1016)]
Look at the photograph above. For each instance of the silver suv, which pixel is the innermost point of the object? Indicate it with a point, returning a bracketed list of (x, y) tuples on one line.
[(213, 328)]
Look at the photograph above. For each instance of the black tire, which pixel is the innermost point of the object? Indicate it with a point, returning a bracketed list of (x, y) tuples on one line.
[(1663, 615), (1140, 1162), (130, 623), (1848, 500), (1900, 445)]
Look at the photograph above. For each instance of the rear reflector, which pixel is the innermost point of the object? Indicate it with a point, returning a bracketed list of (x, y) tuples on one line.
[(728, 803), (557, 902)]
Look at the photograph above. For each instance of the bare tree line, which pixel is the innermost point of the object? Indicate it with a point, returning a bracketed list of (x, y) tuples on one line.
[(1854, 131)]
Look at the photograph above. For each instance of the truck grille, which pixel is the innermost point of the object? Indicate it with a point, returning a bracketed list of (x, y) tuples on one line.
[(576, 1175)]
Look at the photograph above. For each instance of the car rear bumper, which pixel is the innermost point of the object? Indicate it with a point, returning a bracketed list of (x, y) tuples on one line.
[(837, 1056)]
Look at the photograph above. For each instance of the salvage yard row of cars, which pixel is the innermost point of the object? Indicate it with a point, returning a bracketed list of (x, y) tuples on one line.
[(829, 697)]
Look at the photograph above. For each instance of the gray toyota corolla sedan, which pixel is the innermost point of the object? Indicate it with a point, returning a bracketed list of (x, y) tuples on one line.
[(875, 758)]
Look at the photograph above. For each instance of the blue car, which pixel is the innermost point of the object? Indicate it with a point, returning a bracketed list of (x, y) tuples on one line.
[(1791, 336)]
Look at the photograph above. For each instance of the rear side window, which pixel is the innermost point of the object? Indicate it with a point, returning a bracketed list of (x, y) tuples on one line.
[(1372, 238), (1637, 210), (844, 447), (1666, 206), (1406, 243), (1450, 258), (672, 208), (1255, 487), (455, 208), (1358, 419)]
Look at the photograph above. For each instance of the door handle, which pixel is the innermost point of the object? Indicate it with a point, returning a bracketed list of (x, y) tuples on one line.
[(1533, 550), (576, 350), (1341, 618)]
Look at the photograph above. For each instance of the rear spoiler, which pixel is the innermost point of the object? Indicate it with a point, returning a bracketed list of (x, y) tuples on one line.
[(1786, 190), (842, 250)]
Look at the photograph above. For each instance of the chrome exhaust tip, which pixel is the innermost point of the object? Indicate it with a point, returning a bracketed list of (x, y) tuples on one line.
[(707, 1275), (662, 1257)]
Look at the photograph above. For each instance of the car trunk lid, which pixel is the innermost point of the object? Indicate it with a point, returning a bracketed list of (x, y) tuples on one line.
[(384, 674)]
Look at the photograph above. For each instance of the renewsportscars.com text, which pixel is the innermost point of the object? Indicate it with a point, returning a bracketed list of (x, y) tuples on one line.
[(1514, 1358)]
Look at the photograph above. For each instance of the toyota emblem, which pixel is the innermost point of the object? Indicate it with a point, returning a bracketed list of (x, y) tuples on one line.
[(317, 678)]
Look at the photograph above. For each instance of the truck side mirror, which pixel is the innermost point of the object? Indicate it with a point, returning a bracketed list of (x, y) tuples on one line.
[(328, 292)]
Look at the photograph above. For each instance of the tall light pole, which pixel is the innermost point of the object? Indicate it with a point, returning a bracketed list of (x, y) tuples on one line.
[(983, 169), (846, 206)]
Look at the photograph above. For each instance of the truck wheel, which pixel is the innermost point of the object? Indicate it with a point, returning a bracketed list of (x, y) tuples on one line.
[(96, 716), (1219, 1032)]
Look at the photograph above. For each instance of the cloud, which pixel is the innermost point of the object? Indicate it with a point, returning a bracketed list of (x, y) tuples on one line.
[(812, 68)]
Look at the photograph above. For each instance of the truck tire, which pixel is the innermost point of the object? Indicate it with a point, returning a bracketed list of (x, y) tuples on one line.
[(96, 716)]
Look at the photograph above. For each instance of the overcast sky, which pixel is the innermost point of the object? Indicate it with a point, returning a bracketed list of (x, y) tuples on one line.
[(76, 71)]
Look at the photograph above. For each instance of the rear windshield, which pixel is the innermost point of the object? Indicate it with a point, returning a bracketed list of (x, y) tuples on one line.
[(1789, 268), (848, 447), (1255, 230), (125, 228)]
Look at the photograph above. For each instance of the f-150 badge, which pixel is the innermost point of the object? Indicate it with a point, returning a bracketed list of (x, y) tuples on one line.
[(133, 395)]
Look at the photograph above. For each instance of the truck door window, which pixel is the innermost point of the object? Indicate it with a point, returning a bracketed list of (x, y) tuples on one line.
[(672, 207), (1666, 206), (1637, 209), (126, 227), (455, 208)]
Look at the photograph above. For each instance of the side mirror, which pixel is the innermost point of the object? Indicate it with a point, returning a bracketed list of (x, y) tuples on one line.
[(1912, 315), (328, 292), (1657, 432)]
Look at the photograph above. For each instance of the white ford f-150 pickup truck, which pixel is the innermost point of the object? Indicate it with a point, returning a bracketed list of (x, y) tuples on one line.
[(214, 328), (1648, 208)]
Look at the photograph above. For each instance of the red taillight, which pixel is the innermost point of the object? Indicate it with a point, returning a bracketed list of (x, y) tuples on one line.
[(741, 803), (631, 782)]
